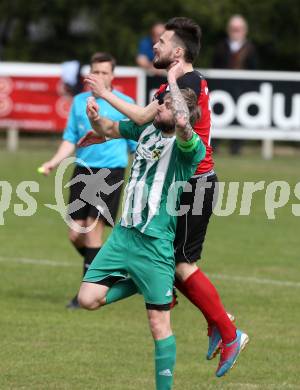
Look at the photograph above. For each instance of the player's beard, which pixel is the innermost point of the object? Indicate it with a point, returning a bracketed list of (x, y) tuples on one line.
[(162, 63), (166, 127)]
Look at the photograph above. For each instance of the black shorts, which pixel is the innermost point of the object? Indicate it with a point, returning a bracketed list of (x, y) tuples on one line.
[(94, 197), (192, 226)]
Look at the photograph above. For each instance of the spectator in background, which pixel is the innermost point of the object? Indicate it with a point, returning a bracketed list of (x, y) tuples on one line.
[(235, 52), (145, 54), (101, 207)]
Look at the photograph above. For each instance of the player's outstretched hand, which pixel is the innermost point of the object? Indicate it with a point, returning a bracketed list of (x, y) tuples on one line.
[(176, 70), (90, 138), (46, 168), (96, 84)]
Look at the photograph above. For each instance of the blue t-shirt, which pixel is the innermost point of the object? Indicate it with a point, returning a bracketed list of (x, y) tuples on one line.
[(146, 48), (111, 154)]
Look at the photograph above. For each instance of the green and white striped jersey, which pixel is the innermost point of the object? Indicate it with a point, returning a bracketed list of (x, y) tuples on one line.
[(160, 170)]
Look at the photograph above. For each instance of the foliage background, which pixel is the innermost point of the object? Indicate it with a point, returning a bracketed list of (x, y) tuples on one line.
[(58, 30)]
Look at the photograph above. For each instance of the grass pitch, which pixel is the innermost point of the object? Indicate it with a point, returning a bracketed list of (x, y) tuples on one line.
[(253, 261)]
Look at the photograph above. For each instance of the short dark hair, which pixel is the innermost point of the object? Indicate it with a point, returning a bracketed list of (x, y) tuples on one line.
[(103, 57), (189, 33)]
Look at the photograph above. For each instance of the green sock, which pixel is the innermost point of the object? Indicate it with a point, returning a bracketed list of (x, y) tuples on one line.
[(120, 290), (165, 358)]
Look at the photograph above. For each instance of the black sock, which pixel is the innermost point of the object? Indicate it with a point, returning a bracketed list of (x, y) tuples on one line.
[(90, 253)]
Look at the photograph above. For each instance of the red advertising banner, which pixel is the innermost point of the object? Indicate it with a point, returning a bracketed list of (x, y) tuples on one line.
[(127, 85), (36, 103)]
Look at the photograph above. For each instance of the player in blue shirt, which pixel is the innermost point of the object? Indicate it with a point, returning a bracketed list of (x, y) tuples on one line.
[(101, 207)]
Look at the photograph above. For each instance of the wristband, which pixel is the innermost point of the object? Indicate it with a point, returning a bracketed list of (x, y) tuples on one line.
[(189, 145)]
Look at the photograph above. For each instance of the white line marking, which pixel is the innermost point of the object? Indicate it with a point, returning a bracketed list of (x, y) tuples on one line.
[(281, 283), (265, 386), (239, 279), (51, 263)]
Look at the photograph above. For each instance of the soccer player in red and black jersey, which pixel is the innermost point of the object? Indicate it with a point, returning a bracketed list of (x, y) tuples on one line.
[(180, 43)]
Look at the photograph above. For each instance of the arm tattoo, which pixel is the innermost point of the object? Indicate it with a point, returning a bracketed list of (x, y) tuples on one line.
[(181, 113)]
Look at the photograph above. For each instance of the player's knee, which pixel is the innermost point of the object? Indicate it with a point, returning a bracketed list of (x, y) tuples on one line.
[(160, 328), (155, 327), (85, 300), (184, 270), (89, 301)]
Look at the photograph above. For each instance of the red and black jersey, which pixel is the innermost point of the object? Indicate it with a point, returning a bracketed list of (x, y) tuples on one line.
[(198, 84)]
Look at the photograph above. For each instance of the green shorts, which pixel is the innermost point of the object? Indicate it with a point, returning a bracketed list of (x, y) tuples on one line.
[(149, 261)]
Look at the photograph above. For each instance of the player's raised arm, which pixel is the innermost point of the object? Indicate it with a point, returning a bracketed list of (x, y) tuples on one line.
[(139, 115), (105, 128), (184, 129)]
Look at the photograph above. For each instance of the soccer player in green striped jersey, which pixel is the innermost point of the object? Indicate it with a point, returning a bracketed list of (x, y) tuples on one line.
[(141, 245)]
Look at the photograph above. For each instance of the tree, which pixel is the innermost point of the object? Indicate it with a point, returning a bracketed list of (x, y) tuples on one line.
[(58, 30)]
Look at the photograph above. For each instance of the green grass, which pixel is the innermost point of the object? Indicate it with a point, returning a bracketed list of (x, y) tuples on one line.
[(44, 346)]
